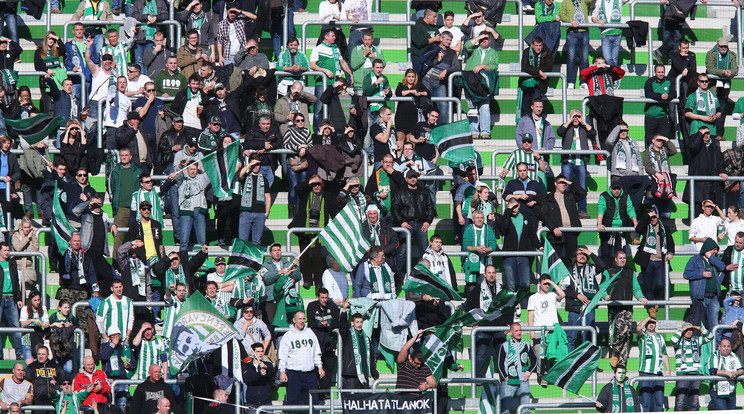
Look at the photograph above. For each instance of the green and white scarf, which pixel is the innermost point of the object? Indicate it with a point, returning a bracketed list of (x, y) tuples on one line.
[(705, 104), (336, 58), (723, 61), (652, 239), (151, 197), (375, 106), (119, 52), (392, 142), (613, 17), (151, 9), (383, 184), (515, 357), (659, 159), (246, 201), (92, 13), (197, 20), (475, 264), (629, 403), (486, 297), (597, 85), (383, 284), (359, 347), (624, 155), (137, 271), (173, 278)]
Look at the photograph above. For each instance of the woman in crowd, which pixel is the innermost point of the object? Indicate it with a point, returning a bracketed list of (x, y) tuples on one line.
[(298, 139), (73, 145), (407, 113), (24, 240), (35, 316)]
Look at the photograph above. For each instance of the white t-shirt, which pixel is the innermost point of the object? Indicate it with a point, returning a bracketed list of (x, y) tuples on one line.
[(133, 86), (457, 34), (705, 227), (358, 9), (731, 229), (234, 41), (327, 8), (189, 113), (125, 105), (544, 307)]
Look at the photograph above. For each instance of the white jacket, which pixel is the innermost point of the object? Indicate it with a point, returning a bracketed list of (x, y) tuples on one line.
[(299, 350)]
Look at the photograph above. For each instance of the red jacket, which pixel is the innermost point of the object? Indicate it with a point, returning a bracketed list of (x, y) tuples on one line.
[(82, 380), (587, 75)]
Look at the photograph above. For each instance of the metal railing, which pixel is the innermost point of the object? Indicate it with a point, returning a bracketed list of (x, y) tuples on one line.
[(130, 382), (170, 23), (564, 87), (473, 345), (42, 273), (69, 73), (585, 102), (375, 23), (492, 178), (330, 405), (99, 115), (339, 353), (496, 153), (550, 405), (450, 99), (692, 179), (403, 230), (677, 378), (305, 74), (710, 3)]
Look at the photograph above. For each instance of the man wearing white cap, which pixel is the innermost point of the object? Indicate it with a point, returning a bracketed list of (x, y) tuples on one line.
[(117, 363), (721, 61), (380, 234)]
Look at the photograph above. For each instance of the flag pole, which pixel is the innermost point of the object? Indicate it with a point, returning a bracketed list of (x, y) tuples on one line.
[(199, 160), (309, 245)]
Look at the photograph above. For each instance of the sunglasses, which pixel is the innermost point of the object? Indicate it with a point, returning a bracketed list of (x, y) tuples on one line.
[(150, 90), (624, 130), (707, 206), (147, 182), (299, 120), (145, 208), (703, 81), (82, 175), (616, 188), (314, 184)]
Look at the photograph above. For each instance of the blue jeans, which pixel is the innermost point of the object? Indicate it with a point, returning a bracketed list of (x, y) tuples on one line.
[(577, 174), (481, 124), (294, 178), (512, 395), (720, 403), (173, 203), (121, 395), (611, 48), (485, 349), (705, 311), (317, 108), (651, 394), (577, 41), (198, 223), (116, 4), (687, 396), (156, 298), (277, 28), (251, 226), (268, 173), (139, 52), (54, 4), (11, 21), (516, 273), (439, 90), (574, 320), (9, 311), (653, 280)]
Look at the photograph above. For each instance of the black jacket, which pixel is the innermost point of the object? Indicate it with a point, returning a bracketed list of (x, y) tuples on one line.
[(610, 210), (642, 257), (412, 205), (549, 212), (679, 64), (258, 387), (397, 181), (546, 65), (179, 103), (168, 140), (8, 58), (303, 191), (605, 398), (126, 137), (348, 369), (528, 241), (13, 269), (316, 314), (388, 239), (473, 301), (257, 139), (190, 266), (147, 394), (336, 113), (41, 376), (137, 233), (586, 138), (572, 293)]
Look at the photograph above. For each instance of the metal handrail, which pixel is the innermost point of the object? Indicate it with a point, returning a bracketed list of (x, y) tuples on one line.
[(710, 3), (307, 73), (496, 153), (473, 345), (69, 73), (43, 274), (677, 378), (693, 178), (170, 22), (403, 230), (564, 87), (339, 353), (449, 99), (331, 403), (562, 405), (406, 22), (585, 102)]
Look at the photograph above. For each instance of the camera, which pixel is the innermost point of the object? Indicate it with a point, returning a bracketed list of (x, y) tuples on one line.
[(313, 217)]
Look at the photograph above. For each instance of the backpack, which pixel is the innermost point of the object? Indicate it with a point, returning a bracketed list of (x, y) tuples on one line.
[(61, 342)]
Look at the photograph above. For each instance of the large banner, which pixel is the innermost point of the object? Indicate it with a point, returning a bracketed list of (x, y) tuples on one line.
[(387, 403), (198, 330)]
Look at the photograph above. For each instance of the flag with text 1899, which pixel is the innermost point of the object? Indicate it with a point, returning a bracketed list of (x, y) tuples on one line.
[(344, 239)]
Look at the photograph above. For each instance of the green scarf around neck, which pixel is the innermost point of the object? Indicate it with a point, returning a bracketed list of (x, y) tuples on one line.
[(629, 403)]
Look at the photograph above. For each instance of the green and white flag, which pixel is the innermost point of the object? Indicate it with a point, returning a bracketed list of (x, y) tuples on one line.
[(35, 128), (602, 290), (572, 372), (198, 330), (454, 141), (243, 254), (344, 239), (61, 228), (219, 165), (552, 264), (425, 282), (488, 392), (436, 346)]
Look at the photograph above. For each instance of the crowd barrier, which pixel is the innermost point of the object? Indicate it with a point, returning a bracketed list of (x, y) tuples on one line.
[(451, 100), (407, 23), (174, 43), (305, 74)]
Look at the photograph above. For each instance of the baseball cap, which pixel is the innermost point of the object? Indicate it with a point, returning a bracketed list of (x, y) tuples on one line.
[(133, 115), (113, 330), (527, 137), (215, 120), (722, 41), (219, 86), (178, 118), (220, 260), (107, 56), (145, 204), (193, 141), (411, 173)]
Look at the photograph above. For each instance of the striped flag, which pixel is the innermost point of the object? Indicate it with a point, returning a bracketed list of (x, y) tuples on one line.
[(602, 290), (219, 165), (243, 255), (572, 372), (425, 282), (488, 393), (438, 345), (61, 228), (34, 129), (344, 239), (552, 264), (454, 141)]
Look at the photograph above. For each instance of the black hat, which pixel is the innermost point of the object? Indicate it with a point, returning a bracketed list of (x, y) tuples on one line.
[(133, 115), (411, 173), (193, 141)]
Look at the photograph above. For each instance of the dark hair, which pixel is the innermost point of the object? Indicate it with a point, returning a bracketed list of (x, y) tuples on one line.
[(143, 176), (618, 366), (536, 100), (112, 30), (194, 77), (192, 31), (375, 250), (211, 282), (63, 302), (417, 354), (29, 308), (116, 281), (544, 276), (207, 64), (684, 42), (321, 291), (659, 65), (367, 32), (257, 345), (538, 40), (434, 237), (378, 60), (357, 316), (449, 13), (291, 40), (136, 67)]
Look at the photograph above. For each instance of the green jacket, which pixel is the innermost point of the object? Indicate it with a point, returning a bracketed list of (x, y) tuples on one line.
[(114, 184), (73, 401), (568, 10), (358, 59), (468, 237), (542, 17), (491, 59)]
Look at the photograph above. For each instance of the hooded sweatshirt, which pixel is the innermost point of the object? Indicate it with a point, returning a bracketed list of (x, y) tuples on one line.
[(701, 287)]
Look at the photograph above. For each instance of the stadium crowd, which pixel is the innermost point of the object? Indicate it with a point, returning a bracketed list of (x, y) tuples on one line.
[(163, 112)]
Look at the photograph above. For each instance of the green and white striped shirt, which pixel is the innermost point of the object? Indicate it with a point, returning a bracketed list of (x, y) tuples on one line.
[(149, 353), (170, 316), (652, 349), (737, 276), (687, 354), (520, 156), (116, 312)]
